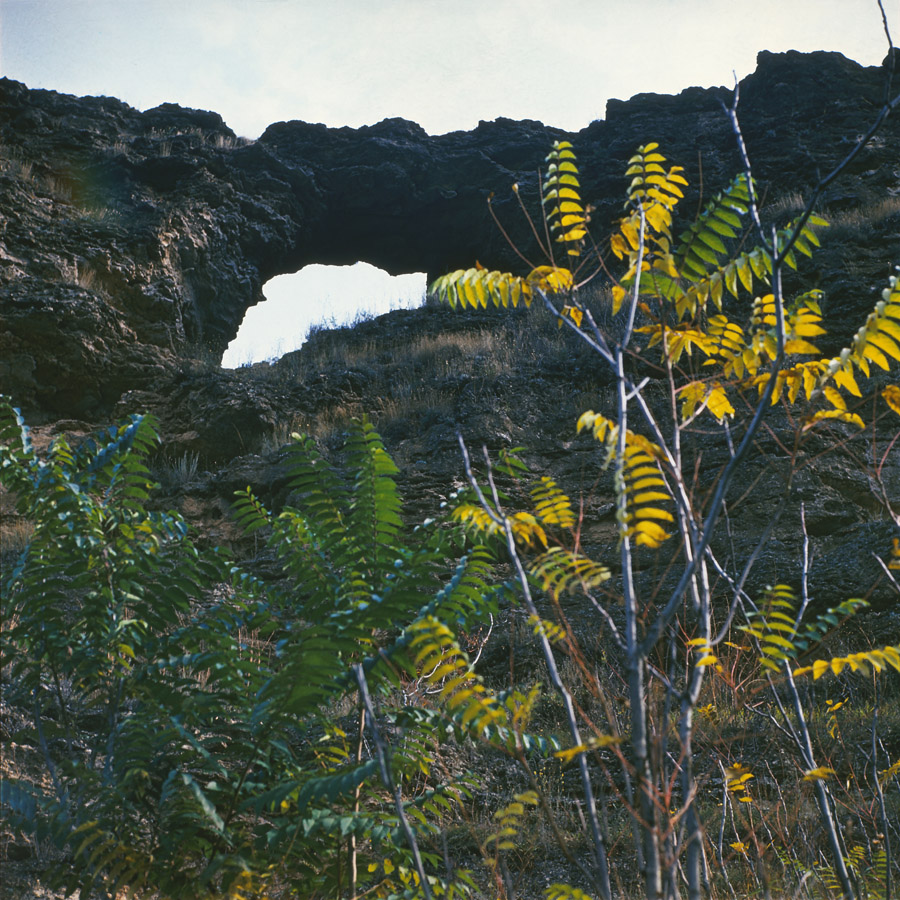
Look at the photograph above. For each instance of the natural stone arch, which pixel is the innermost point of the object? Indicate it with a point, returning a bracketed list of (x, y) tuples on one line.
[(139, 238), (318, 295)]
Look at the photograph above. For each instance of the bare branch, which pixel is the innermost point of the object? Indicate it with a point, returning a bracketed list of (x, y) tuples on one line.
[(387, 778)]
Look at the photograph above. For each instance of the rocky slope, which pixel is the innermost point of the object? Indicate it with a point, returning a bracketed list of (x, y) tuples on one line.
[(133, 243), (133, 239)]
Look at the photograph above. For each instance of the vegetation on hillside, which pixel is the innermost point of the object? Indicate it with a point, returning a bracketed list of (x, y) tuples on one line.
[(681, 293), (327, 733)]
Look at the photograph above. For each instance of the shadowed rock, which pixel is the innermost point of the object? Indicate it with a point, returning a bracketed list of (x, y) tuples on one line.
[(133, 239)]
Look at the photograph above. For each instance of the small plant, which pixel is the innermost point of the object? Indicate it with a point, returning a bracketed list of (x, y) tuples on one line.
[(176, 473)]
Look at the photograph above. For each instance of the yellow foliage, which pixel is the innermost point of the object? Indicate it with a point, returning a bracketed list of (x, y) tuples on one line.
[(598, 742), (552, 506), (737, 776), (889, 773), (711, 396), (820, 773), (891, 396), (442, 662), (895, 555), (559, 570), (887, 657), (544, 627)]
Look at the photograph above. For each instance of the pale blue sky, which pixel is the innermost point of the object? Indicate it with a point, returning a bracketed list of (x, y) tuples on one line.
[(443, 63)]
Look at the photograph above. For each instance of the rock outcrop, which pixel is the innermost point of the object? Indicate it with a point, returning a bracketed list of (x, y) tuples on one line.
[(130, 240)]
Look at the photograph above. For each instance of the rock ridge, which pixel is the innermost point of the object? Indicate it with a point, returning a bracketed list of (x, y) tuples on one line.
[(132, 239)]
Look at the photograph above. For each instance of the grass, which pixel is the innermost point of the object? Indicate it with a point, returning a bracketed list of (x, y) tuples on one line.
[(785, 206), (175, 473), (866, 216), (15, 531), (12, 164), (81, 274), (859, 218), (408, 377), (281, 436)]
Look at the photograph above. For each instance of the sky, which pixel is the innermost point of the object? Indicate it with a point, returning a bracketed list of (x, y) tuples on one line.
[(446, 64)]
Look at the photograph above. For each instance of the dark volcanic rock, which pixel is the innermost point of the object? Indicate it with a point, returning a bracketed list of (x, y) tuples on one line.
[(132, 239)]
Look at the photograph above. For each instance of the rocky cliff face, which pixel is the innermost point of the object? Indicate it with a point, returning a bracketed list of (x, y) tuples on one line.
[(131, 240), (132, 244)]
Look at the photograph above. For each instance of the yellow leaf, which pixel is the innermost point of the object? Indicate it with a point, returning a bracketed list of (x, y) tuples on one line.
[(658, 217), (795, 380), (891, 396), (892, 655), (666, 264), (844, 378), (630, 233), (570, 219), (574, 313), (840, 415), (719, 404), (799, 346), (618, 294), (818, 774), (648, 534), (551, 279), (568, 755), (779, 640), (593, 743), (886, 344), (820, 667), (736, 777), (649, 496), (652, 512), (835, 398), (446, 669), (870, 351)]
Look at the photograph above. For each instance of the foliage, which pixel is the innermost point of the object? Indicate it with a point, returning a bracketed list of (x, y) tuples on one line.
[(193, 720), (709, 301), (206, 733)]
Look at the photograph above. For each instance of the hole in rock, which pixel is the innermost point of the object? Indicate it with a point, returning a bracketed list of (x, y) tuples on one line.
[(318, 296)]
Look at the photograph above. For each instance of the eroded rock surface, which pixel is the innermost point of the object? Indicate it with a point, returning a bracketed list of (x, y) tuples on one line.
[(132, 239)]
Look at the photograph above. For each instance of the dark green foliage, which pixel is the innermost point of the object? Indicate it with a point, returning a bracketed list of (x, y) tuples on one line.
[(702, 242), (193, 721)]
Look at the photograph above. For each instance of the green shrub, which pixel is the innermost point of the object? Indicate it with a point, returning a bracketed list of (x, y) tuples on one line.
[(182, 760)]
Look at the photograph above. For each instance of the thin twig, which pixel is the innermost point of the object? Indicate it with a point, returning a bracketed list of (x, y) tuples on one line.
[(882, 809), (600, 879), (382, 751)]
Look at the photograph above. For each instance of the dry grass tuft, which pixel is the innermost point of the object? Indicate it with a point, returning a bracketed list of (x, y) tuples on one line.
[(785, 206), (174, 473), (867, 215)]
